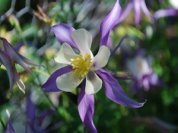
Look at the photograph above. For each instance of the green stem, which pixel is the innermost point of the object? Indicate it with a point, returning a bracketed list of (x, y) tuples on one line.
[(3, 125), (49, 100), (41, 72)]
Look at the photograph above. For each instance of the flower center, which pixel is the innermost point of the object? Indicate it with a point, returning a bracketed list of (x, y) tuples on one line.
[(81, 65)]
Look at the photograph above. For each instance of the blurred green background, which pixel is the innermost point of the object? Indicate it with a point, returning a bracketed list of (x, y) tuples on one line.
[(22, 21)]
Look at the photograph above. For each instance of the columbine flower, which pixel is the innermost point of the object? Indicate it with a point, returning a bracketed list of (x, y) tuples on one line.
[(83, 69), (142, 73), (117, 15), (35, 121), (138, 6), (9, 58)]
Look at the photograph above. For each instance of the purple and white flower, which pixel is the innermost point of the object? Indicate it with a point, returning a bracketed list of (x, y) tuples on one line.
[(143, 75), (138, 6), (118, 15), (85, 70)]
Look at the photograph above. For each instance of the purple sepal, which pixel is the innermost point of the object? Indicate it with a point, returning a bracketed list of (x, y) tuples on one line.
[(30, 109), (15, 56), (137, 9), (11, 71), (86, 109), (166, 13), (114, 91), (50, 84), (109, 22), (126, 11), (30, 114), (9, 128), (63, 33), (35, 122), (9, 57), (146, 81), (146, 11), (138, 6)]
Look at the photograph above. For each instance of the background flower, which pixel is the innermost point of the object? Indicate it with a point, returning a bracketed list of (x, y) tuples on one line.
[(9, 58), (144, 77)]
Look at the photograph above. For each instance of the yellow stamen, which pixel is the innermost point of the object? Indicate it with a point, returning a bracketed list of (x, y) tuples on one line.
[(81, 65)]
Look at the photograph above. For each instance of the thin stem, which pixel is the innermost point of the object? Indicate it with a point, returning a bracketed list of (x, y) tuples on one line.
[(119, 44), (19, 29), (3, 125), (41, 72), (49, 100)]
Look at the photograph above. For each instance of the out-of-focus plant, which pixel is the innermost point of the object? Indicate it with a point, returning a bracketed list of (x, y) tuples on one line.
[(9, 58), (143, 75)]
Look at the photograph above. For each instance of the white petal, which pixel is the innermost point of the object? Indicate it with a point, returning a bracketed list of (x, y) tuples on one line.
[(68, 82), (93, 83), (8, 113), (174, 3), (83, 40), (102, 57), (65, 54), (139, 66)]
